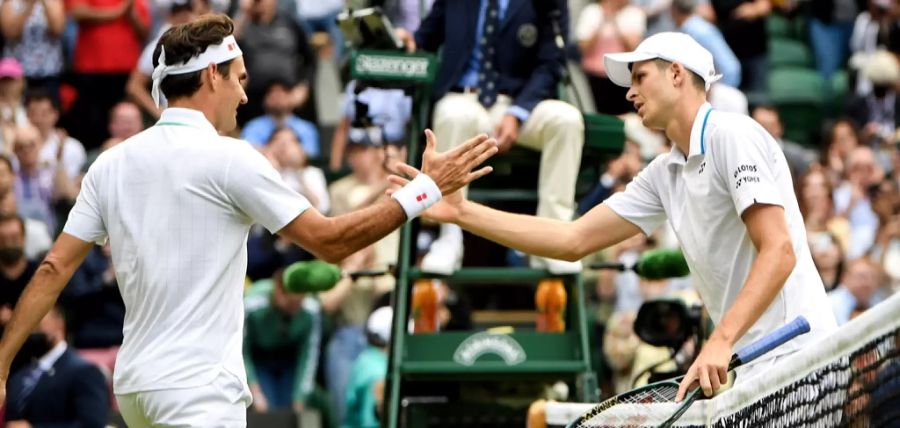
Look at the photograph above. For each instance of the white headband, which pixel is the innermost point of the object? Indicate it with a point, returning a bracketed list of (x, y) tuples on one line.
[(214, 54)]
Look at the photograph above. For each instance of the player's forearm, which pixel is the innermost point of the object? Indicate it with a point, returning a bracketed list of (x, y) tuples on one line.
[(533, 235), (771, 269), (356, 230), (38, 298)]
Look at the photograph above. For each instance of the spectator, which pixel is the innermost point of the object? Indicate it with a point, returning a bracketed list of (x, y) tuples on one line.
[(125, 121), (830, 28), (853, 200), (97, 311), (368, 374), (887, 240), (871, 31), (350, 302), (879, 111), (33, 185), (178, 12), (828, 257), (608, 26), (15, 269), (279, 114), (506, 84), (744, 26), (388, 110), (841, 138), (321, 15), (43, 113), (705, 33), (275, 49), (799, 158), (12, 111), (282, 334), (658, 17), (862, 286), (32, 29), (814, 195), (110, 37), (39, 187), (37, 236), (286, 153), (60, 388)]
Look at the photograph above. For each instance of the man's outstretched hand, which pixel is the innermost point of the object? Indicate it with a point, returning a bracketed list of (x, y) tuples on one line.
[(453, 169), (470, 154)]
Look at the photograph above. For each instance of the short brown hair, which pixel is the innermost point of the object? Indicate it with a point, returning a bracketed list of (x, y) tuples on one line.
[(186, 41)]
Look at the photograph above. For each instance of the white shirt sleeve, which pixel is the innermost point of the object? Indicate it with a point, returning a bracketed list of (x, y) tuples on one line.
[(258, 190), (746, 160), (85, 220), (640, 203)]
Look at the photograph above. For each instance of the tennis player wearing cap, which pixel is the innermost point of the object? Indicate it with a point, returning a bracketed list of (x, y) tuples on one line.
[(725, 188), (176, 203)]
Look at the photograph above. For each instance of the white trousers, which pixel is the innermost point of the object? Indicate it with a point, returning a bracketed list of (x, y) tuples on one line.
[(220, 404), (554, 128)]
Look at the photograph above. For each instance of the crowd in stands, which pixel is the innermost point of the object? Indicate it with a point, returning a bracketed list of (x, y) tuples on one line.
[(75, 81)]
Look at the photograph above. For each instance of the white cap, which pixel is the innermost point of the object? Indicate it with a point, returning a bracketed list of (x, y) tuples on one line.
[(669, 46), (380, 322)]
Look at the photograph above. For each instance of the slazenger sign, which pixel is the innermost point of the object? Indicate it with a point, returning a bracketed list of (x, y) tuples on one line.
[(480, 344), (392, 65)]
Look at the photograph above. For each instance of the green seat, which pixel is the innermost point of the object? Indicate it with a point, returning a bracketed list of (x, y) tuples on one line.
[(840, 88), (778, 26), (799, 95), (788, 53)]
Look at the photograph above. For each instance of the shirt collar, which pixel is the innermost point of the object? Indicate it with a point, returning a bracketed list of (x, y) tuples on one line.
[(698, 134), (177, 116), (49, 359)]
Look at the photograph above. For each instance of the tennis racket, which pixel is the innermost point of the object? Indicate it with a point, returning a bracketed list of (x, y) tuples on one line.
[(665, 391)]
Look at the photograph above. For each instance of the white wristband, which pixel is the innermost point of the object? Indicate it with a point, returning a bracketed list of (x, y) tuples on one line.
[(417, 195)]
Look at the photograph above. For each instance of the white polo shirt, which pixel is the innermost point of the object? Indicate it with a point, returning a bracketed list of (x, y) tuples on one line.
[(733, 163), (176, 202)]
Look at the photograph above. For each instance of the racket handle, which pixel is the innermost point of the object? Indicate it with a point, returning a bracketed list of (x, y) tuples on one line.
[(773, 340)]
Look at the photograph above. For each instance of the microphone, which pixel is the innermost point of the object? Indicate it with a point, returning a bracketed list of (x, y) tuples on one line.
[(654, 264), (315, 276)]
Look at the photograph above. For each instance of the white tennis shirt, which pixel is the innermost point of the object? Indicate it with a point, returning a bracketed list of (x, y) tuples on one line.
[(176, 202), (733, 163)]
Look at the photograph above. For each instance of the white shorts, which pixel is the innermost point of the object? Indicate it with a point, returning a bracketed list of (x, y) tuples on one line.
[(222, 403)]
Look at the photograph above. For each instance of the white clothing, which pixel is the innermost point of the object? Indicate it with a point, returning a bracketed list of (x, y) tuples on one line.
[(222, 403), (309, 179), (37, 238), (177, 202), (47, 361), (733, 163), (73, 156)]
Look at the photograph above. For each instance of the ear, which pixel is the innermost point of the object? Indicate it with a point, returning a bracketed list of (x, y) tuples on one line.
[(212, 75), (679, 74)]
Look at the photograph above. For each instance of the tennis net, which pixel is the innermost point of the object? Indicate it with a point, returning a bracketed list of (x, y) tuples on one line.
[(850, 379)]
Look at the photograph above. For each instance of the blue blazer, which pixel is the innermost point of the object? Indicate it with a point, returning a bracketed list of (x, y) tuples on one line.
[(72, 394), (528, 60)]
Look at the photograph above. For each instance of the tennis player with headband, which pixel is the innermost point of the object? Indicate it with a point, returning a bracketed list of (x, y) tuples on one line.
[(176, 203), (725, 188)]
